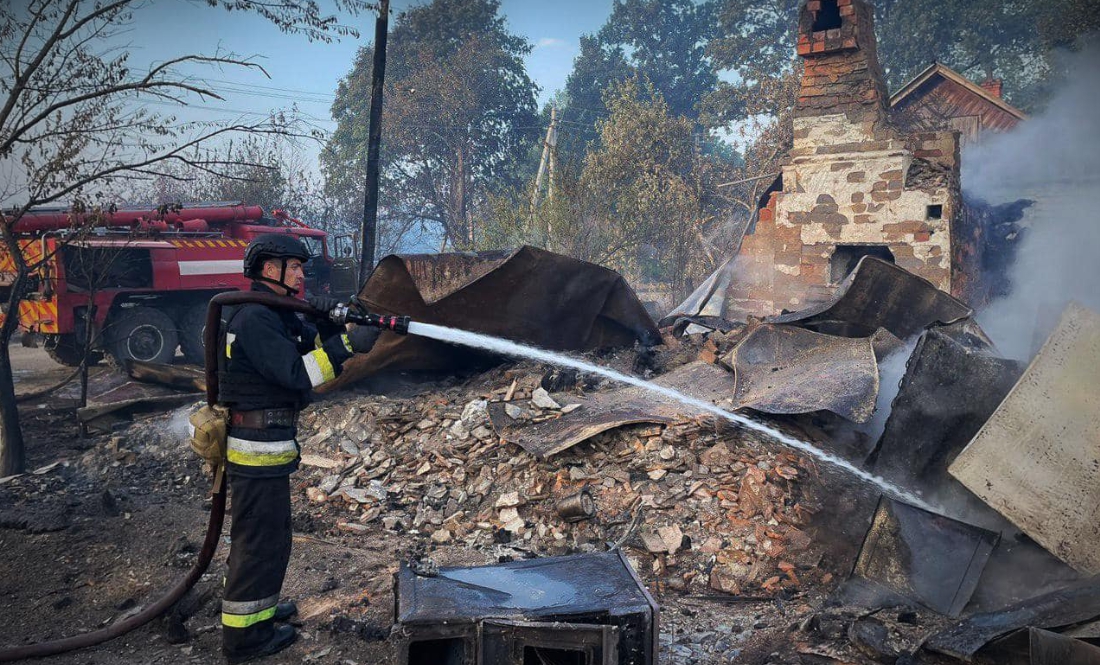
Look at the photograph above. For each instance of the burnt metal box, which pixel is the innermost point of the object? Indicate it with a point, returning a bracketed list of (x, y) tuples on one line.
[(586, 609)]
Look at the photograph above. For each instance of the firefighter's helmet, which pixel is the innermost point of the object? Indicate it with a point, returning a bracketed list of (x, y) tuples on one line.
[(272, 246)]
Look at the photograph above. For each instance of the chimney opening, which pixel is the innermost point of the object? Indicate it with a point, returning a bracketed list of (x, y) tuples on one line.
[(935, 211), (828, 17), (846, 258)]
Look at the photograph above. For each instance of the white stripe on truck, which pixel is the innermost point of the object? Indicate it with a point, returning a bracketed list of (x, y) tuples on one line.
[(228, 266)]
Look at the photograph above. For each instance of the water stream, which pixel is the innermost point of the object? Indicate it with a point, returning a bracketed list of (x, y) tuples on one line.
[(509, 348)]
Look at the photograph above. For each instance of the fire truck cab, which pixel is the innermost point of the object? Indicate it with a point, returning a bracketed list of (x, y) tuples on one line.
[(142, 278)]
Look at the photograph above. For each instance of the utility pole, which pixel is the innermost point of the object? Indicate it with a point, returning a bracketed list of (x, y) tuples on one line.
[(546, 165), (548, 144), (553, 141), (368, 233)]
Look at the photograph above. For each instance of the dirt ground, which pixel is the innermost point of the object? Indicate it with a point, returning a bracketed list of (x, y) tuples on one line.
[(103, 525)]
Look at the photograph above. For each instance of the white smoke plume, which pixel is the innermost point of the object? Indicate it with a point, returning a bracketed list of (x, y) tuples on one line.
[(1054, 159)]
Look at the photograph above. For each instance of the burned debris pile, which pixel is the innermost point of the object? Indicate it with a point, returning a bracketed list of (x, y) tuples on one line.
[(476, 470), (485, 493)]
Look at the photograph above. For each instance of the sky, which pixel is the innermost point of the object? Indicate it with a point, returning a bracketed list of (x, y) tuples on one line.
[(305, 73)]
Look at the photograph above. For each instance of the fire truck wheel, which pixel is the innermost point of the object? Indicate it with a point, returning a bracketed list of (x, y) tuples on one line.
[(65, 350), (144, 333), (191, 331)]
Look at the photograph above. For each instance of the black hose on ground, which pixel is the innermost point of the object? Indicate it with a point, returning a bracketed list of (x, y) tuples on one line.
[(217, 508)]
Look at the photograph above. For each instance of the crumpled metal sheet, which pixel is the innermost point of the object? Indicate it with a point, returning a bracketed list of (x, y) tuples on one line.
[(1035, 646), (528, 295), (605, 411), (1037, 459), (784, 369), (920, 556), (953, 382), (708, 299), (1068, 606), (878, 294)]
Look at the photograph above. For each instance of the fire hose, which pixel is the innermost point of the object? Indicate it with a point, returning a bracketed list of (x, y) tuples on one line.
[(342, 314)]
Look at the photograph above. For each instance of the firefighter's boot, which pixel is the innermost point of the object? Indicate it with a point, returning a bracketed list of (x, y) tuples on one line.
[(285, 610), (281, 638)]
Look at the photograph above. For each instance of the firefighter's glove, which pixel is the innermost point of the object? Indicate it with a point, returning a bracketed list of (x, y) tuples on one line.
[(361, 339), (324, 303), (326, 328)]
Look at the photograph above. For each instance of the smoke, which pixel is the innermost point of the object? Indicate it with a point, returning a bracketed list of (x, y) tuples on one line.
[(891, 369), (1053, 159), (178, 426)]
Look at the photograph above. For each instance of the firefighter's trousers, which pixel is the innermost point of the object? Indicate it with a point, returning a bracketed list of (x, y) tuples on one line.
[(258, 557)]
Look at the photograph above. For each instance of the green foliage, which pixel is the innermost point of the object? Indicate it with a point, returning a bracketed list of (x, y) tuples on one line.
[(597, 67), (662, 40), (302, 17), (459, 116), (642, 204)]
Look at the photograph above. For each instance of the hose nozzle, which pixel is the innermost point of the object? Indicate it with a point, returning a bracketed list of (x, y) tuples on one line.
[(344, 313)]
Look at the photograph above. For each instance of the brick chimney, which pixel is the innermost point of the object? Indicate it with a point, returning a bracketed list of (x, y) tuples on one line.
[(993, 86), (836, 40)]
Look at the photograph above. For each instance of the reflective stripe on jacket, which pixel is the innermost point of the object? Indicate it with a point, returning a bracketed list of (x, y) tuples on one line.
[(260, 453)]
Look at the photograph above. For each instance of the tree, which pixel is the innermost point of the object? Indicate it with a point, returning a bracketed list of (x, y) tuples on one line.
[(267, 170), (596, 67), (643, 203), (656, 202), (74, 125), (459, 118), (662, 40)]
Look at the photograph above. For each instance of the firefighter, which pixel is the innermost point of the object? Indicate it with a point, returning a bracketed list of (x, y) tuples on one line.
[(273, 361)]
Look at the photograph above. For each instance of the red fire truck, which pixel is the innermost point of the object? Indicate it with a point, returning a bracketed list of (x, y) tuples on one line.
[(149, 275)]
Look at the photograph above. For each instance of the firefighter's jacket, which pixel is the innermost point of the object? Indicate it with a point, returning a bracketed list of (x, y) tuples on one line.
[(273, 361)]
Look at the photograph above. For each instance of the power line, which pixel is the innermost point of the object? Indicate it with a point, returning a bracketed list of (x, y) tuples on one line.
[(253, 85), (219, 109)]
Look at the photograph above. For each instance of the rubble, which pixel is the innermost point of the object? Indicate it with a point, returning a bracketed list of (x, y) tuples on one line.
[(684, 482)]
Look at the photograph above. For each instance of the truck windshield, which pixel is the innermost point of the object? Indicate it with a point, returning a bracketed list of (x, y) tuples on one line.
[(313, 245)]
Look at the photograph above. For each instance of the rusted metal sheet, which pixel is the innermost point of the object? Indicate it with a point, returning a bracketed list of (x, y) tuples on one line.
[(605, 411), (1037, 460), (878, 294), (953, 382), (920, 556), (529, 295), (1068, 606), (784, 369)]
